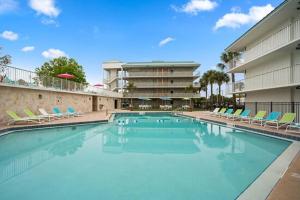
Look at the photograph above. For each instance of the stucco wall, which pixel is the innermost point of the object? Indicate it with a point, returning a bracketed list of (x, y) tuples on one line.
[(274, 95), (16, 99)]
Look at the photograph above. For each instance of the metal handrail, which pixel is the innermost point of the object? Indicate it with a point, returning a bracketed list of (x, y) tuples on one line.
[(25, 78)]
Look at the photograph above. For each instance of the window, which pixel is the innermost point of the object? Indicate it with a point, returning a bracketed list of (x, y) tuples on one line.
[(172, 81)]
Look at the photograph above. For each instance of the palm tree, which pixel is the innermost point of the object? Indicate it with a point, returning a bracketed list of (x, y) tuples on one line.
[(204, 84), (227, 58), (190, 89), (221, 78), (211, 74), (129, 88)]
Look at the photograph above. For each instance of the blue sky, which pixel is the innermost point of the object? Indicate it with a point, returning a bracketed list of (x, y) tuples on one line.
[(93, 31)]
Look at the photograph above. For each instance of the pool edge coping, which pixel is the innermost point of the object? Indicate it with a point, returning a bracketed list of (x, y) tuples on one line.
[(8, 130)]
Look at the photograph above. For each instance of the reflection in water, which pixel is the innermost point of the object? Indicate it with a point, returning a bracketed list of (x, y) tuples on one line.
[(33, 147), (152, 135), (159, 155)]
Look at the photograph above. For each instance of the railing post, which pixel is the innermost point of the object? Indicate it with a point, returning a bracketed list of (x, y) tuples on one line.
[(271, 106), (255, 107)]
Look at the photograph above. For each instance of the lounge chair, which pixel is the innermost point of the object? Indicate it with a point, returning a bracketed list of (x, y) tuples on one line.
[(215, 111), (273, 116), (227, 113), (72, 111), (52, 115), (293, 126), (30, 114), (236, 114), (222, 111), (259, 117), (286, 119), (244, 115), (16, 118), (57, 111)]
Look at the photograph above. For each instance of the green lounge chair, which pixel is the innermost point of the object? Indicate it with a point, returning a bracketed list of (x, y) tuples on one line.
[(222, 111), (259, 117), (273, 116), (227, 113), (236, 114), (32, 115), (15, 118), (215, 111), (286, 119)]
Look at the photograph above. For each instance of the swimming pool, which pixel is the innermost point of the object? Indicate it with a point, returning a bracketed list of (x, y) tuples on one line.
[(150, 156)]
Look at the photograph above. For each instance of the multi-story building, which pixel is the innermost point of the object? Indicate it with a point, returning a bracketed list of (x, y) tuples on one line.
[(270, 57), (157, 80)]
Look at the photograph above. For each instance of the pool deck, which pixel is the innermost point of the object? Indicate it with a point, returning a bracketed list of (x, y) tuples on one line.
[(286, 188)]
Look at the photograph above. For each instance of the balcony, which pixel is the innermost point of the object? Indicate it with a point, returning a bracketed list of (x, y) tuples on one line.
[(284, 77), (163, 85), (285, 36), (159, 95), (160, 74)]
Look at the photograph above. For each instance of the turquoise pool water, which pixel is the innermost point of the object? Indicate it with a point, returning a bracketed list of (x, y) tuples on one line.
[(152, 156)]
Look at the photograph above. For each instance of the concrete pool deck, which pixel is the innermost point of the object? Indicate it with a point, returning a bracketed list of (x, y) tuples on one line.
[(286, 188)]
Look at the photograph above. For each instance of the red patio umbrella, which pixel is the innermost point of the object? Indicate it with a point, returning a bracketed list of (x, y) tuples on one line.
[(99, 85), (66, 76)]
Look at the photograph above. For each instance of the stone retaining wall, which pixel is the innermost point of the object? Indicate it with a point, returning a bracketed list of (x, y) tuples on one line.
[(17, 98)]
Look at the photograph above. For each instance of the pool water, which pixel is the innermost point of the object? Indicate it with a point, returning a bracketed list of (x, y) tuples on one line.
[(151, 156)]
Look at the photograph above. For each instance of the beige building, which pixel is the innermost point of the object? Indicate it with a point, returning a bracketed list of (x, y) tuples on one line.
[(158, 81), (270, 57)]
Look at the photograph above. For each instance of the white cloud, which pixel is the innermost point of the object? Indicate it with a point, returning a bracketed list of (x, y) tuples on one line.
[(165, 41), (237, 19), (8, 5), (45, 7), (9, 35), (27, 48), (195, 6), (48, 21), (53, 53)]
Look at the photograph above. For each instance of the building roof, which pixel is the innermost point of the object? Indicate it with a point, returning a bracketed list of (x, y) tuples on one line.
[(280, 14), (162, 64)]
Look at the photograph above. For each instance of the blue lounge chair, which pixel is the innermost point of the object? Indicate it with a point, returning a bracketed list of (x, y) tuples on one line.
[(227, 113), (273, 116), (244, 115), (57, 111), (72, 111)]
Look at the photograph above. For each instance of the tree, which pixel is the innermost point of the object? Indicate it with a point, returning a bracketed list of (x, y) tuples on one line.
[(204, 84), (211, 76), (62, 65), (190, 89), (129, 89), (221, 78), (227, 58), (4, 62)]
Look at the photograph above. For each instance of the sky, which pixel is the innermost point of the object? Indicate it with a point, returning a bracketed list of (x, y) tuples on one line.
[(94, 31)]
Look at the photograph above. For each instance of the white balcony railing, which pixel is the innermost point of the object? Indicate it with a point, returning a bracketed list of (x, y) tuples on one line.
[(160, 74), (19, 77), (281, 77), (276, 40), (158, 95)]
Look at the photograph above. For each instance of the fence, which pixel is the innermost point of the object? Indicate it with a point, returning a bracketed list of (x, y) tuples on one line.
[(275, 106), (15, 76)]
